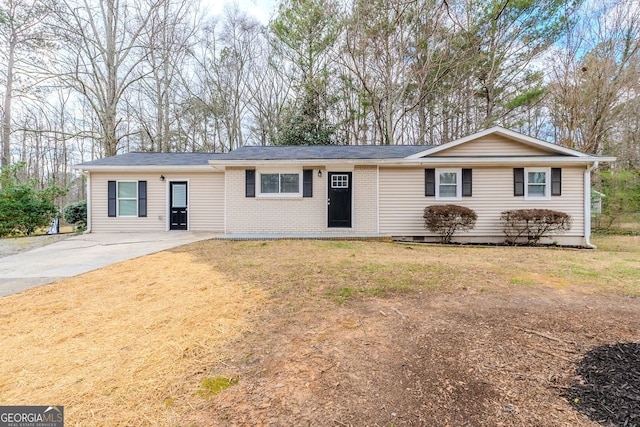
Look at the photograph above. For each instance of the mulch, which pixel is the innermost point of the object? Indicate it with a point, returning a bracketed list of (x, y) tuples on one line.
[(608, 390)]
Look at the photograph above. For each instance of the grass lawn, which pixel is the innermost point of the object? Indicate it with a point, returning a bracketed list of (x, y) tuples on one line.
[(297, 329)]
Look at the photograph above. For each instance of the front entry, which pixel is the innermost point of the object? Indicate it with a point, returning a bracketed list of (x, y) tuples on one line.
[(178, 205), (339, 201)]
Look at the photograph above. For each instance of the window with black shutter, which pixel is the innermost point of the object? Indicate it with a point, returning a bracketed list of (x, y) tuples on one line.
[(467, 187), (556, 181), (430, 182), (112, 198), (307, 183), (250, 183), (518, 181), (142, 198)]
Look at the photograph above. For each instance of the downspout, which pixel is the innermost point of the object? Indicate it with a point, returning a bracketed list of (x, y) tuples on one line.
[(88, 175), (587, 205)]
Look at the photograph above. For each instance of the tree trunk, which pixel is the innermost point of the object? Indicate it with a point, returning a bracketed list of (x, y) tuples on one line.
[(8, 97)]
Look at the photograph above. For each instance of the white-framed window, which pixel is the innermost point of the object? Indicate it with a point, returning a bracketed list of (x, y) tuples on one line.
[(339, 181), (127, 198), (448, 184), (280, 184), (537, 183)]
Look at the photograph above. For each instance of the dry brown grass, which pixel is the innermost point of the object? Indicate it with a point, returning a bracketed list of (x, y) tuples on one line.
[(125, 345), (317, 268), (131, 343)]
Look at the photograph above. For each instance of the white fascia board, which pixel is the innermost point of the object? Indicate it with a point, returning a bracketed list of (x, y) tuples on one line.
[(485, 161), (504, 132), (150, 169), (498, 161)]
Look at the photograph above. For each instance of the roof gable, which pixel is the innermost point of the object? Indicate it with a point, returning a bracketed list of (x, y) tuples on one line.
[(498, 141)]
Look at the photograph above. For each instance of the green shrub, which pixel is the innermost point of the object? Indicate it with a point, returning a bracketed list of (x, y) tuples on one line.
[(24, 208), (76, 214), (448, 219), (533, 224), (622, 196)]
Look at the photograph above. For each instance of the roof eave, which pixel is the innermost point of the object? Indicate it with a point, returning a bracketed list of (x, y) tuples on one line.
[(275, 162), (501, 161), (139, 168), (486, 161), (525, 139)]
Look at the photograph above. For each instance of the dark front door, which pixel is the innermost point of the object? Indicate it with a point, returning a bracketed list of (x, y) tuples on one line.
[(339, 202), (178, 206)]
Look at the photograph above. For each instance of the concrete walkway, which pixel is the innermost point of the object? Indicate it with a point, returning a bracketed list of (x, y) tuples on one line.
[(83, 253)]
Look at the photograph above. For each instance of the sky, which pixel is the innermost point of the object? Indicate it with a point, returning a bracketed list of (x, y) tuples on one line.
[(260, 9)]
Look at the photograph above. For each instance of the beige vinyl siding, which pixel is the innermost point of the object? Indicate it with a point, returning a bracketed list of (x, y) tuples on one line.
[(206, 202), (298, 215), (492, 145), (402, 202)]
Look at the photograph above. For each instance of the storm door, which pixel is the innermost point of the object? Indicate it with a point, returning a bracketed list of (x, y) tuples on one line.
[(178, 205)]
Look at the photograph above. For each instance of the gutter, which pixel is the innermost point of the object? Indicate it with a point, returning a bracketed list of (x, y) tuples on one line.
[(587, 205), (221, 165), (143, 169), (88, 175)]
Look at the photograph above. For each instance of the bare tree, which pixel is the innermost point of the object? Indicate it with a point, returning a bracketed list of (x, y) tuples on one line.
[(595, 83), (398, 51), (102, 55), (167, 48), (22, 33)]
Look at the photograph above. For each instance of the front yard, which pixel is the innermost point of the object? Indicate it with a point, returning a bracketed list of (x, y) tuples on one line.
[(322, 333)]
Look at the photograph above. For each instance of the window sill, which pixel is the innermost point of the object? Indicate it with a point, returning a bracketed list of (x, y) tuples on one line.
[(279, 196), (537, 198)]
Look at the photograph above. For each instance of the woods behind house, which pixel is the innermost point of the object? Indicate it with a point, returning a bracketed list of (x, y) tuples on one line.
[(87, 79)]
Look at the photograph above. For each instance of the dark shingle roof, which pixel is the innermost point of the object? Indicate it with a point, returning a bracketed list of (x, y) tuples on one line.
[(316, 152), (156, 159), (324, 152)]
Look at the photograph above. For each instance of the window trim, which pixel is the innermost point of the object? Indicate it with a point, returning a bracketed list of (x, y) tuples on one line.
[(118, 198), (280, 172), (458, 172), (547, 184)]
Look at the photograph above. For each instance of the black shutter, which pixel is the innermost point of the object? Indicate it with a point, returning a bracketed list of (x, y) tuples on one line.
[(518, 181), (429, 182), (466, 183), (556, 182), (142, 198), (307, 183), (111, 185), (250, 183)]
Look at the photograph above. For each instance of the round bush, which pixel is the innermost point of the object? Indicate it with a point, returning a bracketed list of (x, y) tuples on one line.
[(76, 214), (448, 219)]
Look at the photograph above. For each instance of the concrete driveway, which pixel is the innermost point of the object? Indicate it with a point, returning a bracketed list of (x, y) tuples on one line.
[(83, 253)]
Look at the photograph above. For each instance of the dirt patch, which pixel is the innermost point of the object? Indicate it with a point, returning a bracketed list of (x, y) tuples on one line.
[(481, 359)]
